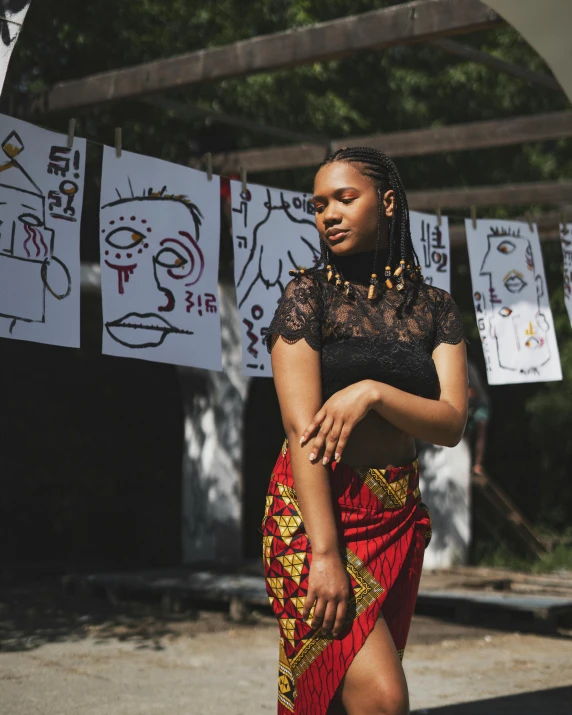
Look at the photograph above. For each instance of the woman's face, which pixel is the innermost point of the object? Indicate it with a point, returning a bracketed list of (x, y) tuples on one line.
[(346, 204)]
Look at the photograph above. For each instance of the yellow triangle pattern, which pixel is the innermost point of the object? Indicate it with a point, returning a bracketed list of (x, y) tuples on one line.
[(288, 524), (277, 586), (293, 564), (289, 628), (267, 547)]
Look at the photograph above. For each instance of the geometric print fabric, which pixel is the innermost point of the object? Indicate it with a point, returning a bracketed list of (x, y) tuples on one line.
[(312, 664)]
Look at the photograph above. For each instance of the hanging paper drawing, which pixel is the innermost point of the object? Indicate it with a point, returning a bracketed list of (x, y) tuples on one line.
[(159, 228), (41, 192), (273, 232), (12, 14), (431, 243), (566, 242), (511, 302)]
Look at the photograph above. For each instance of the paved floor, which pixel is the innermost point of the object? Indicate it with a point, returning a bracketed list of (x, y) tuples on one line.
[(58, 659)]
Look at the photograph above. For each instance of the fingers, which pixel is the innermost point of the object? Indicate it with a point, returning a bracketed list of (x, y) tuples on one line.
[(332, 442), (342, 441), (308, 603), (329, 617), (341, 612), (320, 439), (319, 613), (313, 426)]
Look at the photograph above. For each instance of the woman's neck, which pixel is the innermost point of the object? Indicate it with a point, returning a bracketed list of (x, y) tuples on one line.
[(358, 267)]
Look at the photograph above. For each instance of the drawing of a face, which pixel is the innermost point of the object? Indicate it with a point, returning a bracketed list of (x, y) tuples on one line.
[(517, 324), (152, 256), (26, 244)]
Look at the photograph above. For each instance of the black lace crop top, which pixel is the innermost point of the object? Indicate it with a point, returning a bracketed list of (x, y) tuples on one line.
[(389, 339)]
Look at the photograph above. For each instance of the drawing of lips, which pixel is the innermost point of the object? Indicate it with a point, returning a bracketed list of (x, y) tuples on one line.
[(514, 283), (142, 330)]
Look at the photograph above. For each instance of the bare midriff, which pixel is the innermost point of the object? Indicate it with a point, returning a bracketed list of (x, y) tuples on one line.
[(374, 442)]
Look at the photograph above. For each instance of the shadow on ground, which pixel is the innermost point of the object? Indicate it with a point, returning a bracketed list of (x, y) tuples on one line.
[(554, 701), (33, 613)]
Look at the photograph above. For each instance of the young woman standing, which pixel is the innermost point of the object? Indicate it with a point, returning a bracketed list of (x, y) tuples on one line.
[(366, 358)]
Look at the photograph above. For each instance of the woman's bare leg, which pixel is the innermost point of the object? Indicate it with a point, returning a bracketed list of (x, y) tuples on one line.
[(375, 682)]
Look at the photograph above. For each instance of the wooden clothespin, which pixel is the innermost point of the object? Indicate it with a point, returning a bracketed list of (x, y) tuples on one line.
[(71, 132), (528, 217), (209, 160), (474, 217), (439, 220), (243, 179), (118, 141)]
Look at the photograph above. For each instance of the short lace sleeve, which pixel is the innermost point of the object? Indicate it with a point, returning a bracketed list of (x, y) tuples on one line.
[(298, 315), (448, 322)]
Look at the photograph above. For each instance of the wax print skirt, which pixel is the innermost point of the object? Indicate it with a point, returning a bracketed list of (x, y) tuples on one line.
[(384, 528)]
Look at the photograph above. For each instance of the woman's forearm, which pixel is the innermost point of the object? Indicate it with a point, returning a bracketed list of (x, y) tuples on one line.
[(434, 421), (312, 483)]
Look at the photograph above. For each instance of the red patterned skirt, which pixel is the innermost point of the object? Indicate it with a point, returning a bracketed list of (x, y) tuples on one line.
[(385, 528)]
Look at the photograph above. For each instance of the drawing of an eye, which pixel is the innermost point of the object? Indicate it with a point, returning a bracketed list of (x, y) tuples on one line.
[(169, 258), (506, 247), (505, 312), (532, 343), (30, 219), (124, 238)]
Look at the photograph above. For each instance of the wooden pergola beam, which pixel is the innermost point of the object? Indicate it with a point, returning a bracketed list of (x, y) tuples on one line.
[(416, 142), (554, 193), (470, 53), (419, 21)]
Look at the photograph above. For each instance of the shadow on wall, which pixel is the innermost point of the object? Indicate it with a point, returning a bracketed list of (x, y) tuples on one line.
[(263, 438), (90, 459)]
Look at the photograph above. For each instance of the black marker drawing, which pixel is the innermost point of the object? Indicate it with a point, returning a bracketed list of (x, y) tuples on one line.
[(274, 231), (29, 268)]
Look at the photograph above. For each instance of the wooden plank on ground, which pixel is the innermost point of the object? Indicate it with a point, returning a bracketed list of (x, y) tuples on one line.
[(419, 21), (414, 142)]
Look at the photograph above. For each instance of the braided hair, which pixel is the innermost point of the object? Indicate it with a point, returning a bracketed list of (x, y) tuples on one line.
[(402, 258)]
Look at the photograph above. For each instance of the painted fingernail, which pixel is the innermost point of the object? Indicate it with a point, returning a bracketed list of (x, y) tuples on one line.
[(337, 457), (312, 457), (325, 460), (301, 439)]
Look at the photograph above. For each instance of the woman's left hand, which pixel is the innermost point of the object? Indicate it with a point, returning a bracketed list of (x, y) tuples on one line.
[(336, 420)]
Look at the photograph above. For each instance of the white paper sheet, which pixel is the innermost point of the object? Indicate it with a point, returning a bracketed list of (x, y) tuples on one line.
[(160, 232), (12, 16), (432, 245), (511, 302), (41, 195), (273, 232), (566, 242)]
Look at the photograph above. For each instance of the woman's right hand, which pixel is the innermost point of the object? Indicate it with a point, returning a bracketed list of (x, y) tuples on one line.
[(328, 591)]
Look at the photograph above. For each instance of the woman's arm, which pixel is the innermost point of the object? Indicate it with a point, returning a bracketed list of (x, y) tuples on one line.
[(297, 376), (439, 421)]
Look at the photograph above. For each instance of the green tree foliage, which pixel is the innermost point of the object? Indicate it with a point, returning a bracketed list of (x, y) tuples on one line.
[(406, 87)]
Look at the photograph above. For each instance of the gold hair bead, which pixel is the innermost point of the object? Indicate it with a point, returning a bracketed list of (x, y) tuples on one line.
[(330, 272), (398, 271), (348, 288), (338, 279), (388, 283), (372, 286)]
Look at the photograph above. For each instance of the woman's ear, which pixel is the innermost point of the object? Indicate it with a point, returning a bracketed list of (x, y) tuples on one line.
[(389, 203)]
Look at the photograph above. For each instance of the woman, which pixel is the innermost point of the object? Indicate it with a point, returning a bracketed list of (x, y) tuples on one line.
[(362, 367)]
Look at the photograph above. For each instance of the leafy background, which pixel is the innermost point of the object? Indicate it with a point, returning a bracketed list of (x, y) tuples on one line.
[(76, 435)]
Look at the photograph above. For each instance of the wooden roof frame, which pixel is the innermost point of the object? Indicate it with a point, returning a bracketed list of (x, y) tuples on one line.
[(420, 21)]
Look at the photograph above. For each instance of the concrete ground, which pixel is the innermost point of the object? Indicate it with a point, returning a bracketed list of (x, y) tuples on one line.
[(65, 656)]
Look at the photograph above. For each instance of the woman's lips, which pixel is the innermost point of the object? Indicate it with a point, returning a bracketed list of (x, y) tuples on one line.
[(142, 330), (337, 236)]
